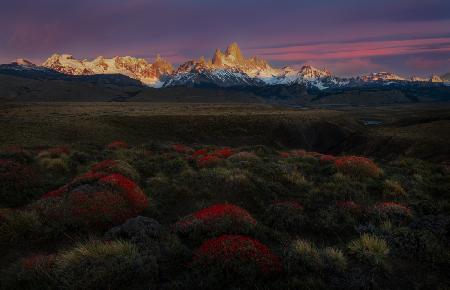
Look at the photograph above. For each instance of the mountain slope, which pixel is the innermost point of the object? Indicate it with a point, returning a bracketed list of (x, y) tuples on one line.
[(33, 83)]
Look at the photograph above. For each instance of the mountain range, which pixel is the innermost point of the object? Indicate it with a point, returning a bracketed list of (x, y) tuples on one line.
[(225, 69), (227, 77)]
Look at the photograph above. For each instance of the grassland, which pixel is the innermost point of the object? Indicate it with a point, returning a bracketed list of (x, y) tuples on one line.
[(411, 130), (223, 196)]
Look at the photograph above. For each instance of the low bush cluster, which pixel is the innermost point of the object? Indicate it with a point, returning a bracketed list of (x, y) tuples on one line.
[(340, 219), (95, 199), (370, 250), (232, 257), (209, 157), (285, 216), (392, 211), (302, 259), (359, 167), (216, 220), (251, 218), (91, 265), (55, 160)]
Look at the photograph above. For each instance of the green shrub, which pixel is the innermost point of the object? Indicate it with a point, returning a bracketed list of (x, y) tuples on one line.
[(393, 188), (285, 216), (334, 260), (55, 165), (369, 249), (338, 220), (302, 257), (420, 246), (338, 187), (108, 265), (174, 165), (17, 226), (244, 157), (296, 179), (54, 161), (223, 179)]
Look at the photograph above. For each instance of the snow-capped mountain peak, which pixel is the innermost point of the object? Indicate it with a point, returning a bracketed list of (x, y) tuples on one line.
[(136, 68), (233, 58), (436, 79), (23, 62), (232, 64), (310, 72), (381, 76)]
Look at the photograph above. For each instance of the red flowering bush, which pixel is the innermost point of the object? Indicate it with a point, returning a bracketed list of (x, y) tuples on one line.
[(233, 257), (215, 220), (223, 153), (199, 153), (208, 157), (116, 145), (115, 166), (285, 215), (94, 200), (18, 183), (360, 167), (395, 212), (327, 159), (208, 160)]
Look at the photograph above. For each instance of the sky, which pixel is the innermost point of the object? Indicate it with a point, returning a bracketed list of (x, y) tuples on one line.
[(348, 37)]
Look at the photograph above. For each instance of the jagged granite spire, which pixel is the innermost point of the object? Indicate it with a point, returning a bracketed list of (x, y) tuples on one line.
[(234, 51)]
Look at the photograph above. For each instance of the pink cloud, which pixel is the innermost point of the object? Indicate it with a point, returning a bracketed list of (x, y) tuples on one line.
[(350, 50)]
